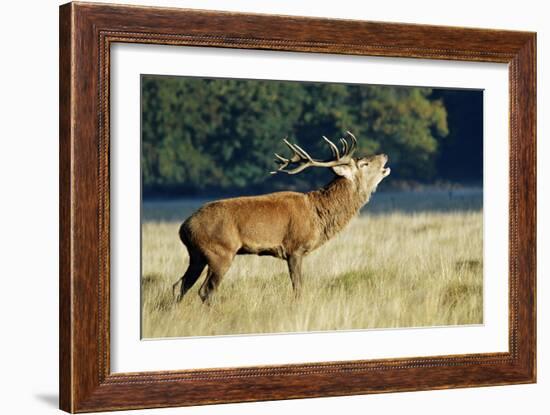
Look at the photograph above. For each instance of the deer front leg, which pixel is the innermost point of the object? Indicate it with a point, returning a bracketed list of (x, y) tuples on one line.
[(295, 269)]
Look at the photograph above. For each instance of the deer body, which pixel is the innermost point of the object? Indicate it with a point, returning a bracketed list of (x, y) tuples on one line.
[(262, 225), (285, 225)]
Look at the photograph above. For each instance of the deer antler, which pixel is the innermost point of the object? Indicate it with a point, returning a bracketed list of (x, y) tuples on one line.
[(303, 160)]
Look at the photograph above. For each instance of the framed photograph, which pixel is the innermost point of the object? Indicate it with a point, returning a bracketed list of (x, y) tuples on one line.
[(258, 207)]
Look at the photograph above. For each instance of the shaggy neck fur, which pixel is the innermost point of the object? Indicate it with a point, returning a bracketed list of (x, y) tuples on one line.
[(336, 204)]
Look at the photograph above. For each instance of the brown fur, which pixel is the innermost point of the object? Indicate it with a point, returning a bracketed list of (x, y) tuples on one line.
[(286, 225)]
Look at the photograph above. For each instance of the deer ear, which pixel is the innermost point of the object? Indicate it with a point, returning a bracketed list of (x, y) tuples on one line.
[(345, 170)]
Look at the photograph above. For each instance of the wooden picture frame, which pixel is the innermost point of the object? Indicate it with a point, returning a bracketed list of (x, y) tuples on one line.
[(86, 33)]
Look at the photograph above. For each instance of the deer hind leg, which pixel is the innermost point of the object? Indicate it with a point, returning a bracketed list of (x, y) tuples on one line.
[(218, 265), (295, 269), (192, 274)]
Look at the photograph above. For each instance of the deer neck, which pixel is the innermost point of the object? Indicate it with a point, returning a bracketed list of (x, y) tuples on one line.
[(336, 204)]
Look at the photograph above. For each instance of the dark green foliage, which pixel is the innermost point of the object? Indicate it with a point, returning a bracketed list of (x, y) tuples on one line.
[(220, 134), (461, 154)]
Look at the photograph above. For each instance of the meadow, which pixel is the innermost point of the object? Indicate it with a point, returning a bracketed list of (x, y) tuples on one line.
[(409, 260)]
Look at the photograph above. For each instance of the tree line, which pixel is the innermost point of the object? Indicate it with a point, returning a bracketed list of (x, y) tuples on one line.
[(219, 135)]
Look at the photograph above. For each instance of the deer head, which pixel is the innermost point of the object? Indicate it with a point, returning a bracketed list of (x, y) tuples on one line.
[(366, 172)]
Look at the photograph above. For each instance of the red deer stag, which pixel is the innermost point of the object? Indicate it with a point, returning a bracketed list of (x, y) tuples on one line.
[(286, 225)]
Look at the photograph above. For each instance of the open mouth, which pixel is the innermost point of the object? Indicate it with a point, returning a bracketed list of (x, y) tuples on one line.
[(385, 170)]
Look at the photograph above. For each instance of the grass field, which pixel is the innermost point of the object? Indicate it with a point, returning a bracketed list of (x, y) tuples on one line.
[(400, 269)]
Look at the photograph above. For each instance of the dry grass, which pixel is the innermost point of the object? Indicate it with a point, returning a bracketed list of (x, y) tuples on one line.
[(382, 271)]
